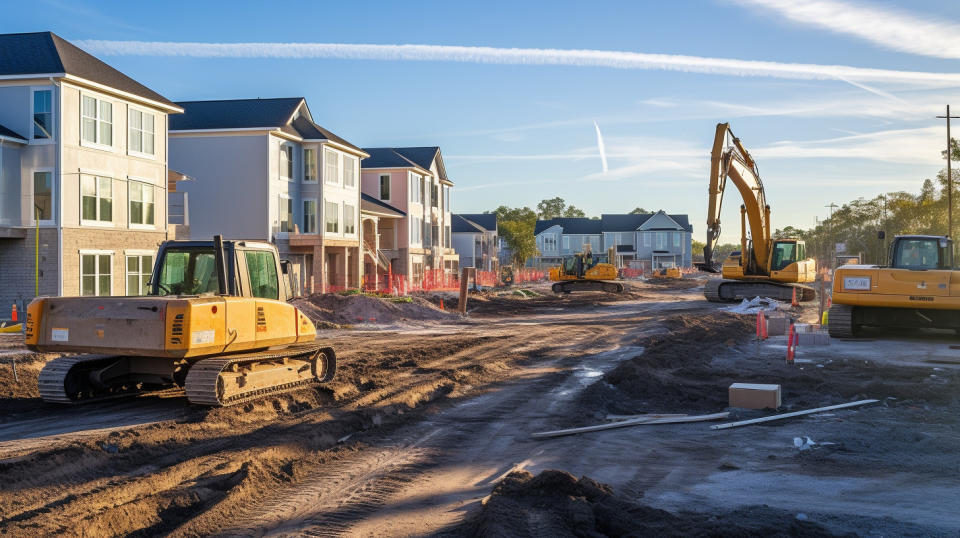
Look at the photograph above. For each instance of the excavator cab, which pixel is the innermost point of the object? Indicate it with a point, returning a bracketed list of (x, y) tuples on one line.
[(921, 253), (786, 252)]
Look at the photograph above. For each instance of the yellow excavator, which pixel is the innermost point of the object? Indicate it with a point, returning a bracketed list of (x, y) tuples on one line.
[(216, 322), (582, 272), (919, 288), (765, 267), (666, 273)]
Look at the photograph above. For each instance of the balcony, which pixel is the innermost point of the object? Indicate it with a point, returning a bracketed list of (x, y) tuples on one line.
[(298, 239)]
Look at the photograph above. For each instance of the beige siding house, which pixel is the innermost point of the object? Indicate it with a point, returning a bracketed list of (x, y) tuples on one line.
[(83, 163)]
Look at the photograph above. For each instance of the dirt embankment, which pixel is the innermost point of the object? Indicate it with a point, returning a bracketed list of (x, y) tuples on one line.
[(335, 309), (555, 503)]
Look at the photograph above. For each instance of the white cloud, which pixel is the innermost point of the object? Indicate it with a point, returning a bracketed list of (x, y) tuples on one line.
[(893, 29), (517, 56), (601, 149), (905, 146)]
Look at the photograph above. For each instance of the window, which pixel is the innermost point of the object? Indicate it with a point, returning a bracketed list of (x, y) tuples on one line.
[(331, 174), (309, 216), (262, 272), (141, 132), (141, 203), (310, 165), (416, 230), (96, 122), (42, 114), (661, 241), (423, 191), (435, 235), (566, 243), (349, 219), (96, 199), (349, 171), (446, 236), (43, 196), (385, 187), (286, 214), (550, 242), (416, 188), (332, 217), (138, 274), (646, 238), (286, 162), (188, 271), (434, 196), (676, 239), (95, 274), (446, 202)]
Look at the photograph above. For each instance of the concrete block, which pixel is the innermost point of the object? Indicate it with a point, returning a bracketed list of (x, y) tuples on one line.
[(754, 396), (777, 326), (813, 339)]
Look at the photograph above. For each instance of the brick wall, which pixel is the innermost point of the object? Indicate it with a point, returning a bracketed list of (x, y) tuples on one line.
[(18, 268), (117, 241)]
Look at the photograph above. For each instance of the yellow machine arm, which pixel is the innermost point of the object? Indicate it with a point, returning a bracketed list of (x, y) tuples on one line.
[(729, 159)]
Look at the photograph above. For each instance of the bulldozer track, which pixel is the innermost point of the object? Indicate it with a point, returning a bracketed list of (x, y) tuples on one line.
[(203, 379)]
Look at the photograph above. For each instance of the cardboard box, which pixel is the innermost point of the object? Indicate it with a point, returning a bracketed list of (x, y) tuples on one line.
[(754, 396)]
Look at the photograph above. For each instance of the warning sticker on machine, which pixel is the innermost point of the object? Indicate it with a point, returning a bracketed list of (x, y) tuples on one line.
[(201, 337), (856, 283), (60, 335)]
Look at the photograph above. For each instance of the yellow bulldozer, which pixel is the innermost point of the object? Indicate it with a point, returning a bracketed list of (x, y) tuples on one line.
[(216, 322), (917, 289), (666, 273), (583, 272), (765, 267)]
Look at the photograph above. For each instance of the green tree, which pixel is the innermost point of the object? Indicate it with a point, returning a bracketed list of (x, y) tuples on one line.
[(551, 209), (516, 227), (573, 212), (640, 211)]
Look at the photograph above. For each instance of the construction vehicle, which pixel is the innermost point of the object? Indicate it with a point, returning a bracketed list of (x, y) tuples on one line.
[(582, 272), (915, 290), (847, 259), (506, 275), (216, 322), (666, 272), (765, 267)]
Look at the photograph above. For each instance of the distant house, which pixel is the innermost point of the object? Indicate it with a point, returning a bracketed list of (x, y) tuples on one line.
[(380, 222), (475, 240), (647, 241)]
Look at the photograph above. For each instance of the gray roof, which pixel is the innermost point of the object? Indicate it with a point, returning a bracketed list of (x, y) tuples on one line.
[(10, 134), (381, 205), (606, 223), (421, 156), (583, 226), (47, 53), (487, 221), (272, 113), (459, 224)]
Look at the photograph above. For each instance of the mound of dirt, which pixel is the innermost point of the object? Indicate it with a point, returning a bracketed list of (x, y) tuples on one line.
[(555, 503), (341, 309)]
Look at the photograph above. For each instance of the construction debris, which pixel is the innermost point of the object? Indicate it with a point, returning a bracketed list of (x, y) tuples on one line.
[(634, 422), (754, 396), (788, 415), (755, 305)]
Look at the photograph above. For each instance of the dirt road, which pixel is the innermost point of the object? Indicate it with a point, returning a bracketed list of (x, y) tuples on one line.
[(422, 422)]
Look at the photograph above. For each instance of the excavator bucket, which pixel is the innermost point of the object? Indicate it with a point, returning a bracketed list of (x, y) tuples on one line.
[(707, 267)]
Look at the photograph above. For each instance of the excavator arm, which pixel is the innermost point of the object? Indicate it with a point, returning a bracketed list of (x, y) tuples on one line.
[(729, 159)]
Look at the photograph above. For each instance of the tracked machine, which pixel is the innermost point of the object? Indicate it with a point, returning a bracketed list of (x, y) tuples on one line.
[(581, 272), (216, 322), (765, 267), (919, 288)]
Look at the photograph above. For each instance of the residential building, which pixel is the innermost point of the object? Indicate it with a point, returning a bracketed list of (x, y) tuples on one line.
[(475, 240), (647, 241), (83, 172), (380, 222), (413, 180), (265, 170)]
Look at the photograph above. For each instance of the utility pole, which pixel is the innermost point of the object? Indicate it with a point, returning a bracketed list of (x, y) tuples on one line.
[(833, 240), (949, 176)]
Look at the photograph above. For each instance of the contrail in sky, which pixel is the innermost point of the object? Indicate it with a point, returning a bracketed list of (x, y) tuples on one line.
[(516, 56), (603, 150)]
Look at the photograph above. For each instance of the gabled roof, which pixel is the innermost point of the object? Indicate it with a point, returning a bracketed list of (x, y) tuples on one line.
[(459, 224), (607, 223), (623, 223), (422, 157), (46, 53), (575, 225), (486, 221), (9, 134), (369, 203)]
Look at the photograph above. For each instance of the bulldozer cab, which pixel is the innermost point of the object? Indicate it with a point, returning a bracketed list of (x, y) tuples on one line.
[(232, 268), (921, 252), (786, 252)]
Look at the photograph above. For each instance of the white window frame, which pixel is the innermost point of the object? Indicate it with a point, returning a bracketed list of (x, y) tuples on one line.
[(53, 116), (136, 225), (143, 112), (54, 200), (335, 180), (97, 121), (96, 277), (316, 216), (284, 199), (113, 205), (139, 254), (565, 242), (416, 186), (646, 238), (316, 166), (327, 205), (416, 231), (389, 186), (353, 218), (289, 171), (353, 170)]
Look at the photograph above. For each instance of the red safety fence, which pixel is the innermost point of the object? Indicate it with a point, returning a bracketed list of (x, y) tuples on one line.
[(439, 280)]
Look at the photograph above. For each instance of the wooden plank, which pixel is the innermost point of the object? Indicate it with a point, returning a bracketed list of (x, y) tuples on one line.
[(788, 415), (631, 417), (624, 423)]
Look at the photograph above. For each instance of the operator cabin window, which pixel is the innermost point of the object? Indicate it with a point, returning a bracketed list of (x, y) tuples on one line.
[(309, 216), (141, 132), (331, 170), (262, 272), (286, 162), (286, 215), (96, 122), (138, 274), (332, 217), (43, 196), (141, 204), (349, 219), (385, 187), (349, 171), (309, 164), (96, 199), (42, 114), (95, 274)]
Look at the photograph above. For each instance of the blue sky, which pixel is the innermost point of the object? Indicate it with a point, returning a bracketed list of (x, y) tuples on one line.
[(517, 133)]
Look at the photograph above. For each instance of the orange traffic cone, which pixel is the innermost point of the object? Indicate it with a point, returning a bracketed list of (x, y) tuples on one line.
[(791, 343), (829, 301), (13, 312), (793, 301), (441, 305), (763, 325)]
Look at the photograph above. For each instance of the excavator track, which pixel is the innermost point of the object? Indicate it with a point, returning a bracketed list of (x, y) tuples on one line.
[(840, 321), (730, 291), (568, 286), (235, 379), (62, 380)]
